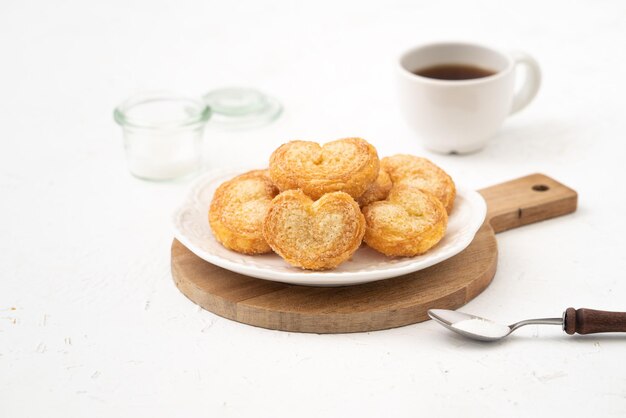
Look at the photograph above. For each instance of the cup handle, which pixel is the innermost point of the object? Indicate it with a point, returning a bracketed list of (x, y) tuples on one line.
[(530, 87)]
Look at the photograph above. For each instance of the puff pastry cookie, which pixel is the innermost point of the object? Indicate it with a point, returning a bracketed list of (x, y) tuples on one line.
[(237, 211), (314, 235), (423, 174), (409, 222), (377, 190), (348, 165)]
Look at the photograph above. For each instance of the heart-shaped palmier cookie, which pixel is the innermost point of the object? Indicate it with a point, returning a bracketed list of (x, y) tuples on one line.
[(238, 209), (423, 174), (314, 235), (409, 222), (379, 190), (347, 165)]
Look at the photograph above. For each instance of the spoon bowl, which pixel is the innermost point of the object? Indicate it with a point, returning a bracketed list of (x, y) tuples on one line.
[(470, 326)]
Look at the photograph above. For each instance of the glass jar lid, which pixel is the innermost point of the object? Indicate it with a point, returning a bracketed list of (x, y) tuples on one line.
[(241, 108)]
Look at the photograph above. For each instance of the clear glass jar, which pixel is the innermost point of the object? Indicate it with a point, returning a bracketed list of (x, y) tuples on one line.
[(162, 134)]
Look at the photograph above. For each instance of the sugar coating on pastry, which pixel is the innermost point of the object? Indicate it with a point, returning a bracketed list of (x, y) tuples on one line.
[(408, 223), (315, 235), (423, 174), (237, 211), (379, 190), (348, 165)]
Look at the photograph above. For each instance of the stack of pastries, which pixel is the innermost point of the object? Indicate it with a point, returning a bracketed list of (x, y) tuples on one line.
[(316, 204)]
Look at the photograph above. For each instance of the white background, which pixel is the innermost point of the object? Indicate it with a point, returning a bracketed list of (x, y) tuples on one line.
[(90, 321)]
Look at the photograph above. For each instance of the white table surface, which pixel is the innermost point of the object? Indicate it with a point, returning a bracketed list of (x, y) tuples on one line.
[(90, 321)]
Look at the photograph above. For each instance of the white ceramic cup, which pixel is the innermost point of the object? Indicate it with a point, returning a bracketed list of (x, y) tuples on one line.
[(461, 116)]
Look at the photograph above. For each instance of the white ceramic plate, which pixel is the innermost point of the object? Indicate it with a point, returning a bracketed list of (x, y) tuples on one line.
[(191, 228)]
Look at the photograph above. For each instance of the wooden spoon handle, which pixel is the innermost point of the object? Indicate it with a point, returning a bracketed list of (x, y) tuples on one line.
[(590, 321)]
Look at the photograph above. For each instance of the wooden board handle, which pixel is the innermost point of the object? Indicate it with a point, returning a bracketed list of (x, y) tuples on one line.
[(590, 321), (529, 199)]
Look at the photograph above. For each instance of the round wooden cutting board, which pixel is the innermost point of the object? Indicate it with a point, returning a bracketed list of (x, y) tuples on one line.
[(378, 305)]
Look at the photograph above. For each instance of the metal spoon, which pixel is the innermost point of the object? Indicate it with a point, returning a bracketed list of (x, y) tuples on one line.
[(581, 321)]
